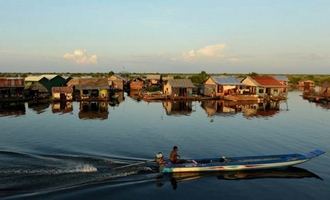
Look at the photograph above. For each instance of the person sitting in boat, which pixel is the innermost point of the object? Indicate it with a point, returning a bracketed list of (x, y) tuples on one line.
[(174, 156), (160, 159)]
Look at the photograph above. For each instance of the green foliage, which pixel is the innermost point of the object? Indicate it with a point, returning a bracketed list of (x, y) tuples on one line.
[(199, 78), (253, 74), (111, 73), (177, 77), (294, 79)]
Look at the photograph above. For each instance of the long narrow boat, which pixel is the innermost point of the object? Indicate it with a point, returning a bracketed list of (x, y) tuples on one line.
[(241, 163)]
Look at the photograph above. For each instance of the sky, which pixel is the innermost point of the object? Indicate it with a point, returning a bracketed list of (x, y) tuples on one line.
[(217, 36)]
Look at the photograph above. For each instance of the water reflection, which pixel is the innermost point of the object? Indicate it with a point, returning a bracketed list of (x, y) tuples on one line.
[(62, 107), (287, 173), (93, 110), (12, 109), (99, 109), (117, 99), (177, 108), (325, 105), (268, 109), (248, 108), (38, 106), (223, 107)]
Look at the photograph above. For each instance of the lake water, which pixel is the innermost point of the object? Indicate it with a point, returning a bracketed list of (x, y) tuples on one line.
[(54, 151)]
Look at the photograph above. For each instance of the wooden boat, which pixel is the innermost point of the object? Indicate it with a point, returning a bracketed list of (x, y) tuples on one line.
[(241, 163)]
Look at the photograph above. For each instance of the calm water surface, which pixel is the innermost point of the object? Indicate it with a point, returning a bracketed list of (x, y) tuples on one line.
[(58, 151)]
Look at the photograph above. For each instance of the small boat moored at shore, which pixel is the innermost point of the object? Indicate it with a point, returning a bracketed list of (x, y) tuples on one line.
[(241, 163)]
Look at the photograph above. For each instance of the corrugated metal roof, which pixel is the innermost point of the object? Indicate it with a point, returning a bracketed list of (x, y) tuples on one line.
[(62, 89), (73, 82), (281, 78), (326, 85), (39, 77), (181, 83), (267, 81), (153, 77), (226, 80), (49, 76), (93, 83), (33, 78), (166, 78), (11, 82), (117, 77)]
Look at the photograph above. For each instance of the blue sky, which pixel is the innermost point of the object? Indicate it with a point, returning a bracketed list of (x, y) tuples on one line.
[(165, 36)]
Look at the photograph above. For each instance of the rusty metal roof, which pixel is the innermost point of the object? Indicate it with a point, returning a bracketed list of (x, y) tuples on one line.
[(11, 82)]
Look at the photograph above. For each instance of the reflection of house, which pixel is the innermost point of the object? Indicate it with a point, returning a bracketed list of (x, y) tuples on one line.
[(222, 86), (135, 94), (62, 107), (153, 79), (93, 89), (38, 107), (136, 84), (249, 109), (62, 93), (12, 109), (116, 82), (268, 109), (179, 88), (47, 80), (11, 89), (178, 107), (119, 97), (93, 110), (221, 107), (264, 86)]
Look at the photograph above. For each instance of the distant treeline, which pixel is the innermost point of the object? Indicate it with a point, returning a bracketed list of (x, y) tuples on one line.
[(318, 79), (197, 78)]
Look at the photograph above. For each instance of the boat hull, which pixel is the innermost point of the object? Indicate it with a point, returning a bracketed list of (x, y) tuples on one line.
[(241, 163), (231, 167)]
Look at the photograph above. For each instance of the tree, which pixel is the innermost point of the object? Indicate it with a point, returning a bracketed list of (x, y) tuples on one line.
[(199, 78), (111, 73), (253, 74)]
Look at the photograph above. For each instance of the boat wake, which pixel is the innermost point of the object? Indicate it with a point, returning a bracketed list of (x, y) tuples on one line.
[(24, 173), (83, 168)]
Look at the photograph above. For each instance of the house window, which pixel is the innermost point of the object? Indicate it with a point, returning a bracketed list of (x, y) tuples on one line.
[(261, 91), (220, 89), (85, 91), (275, 90)]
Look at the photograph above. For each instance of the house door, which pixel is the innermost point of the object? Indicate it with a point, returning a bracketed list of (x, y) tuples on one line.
[(95, 93), (182, 92), (268, 91)]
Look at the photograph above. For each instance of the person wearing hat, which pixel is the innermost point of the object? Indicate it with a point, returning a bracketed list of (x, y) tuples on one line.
[(160, 159)]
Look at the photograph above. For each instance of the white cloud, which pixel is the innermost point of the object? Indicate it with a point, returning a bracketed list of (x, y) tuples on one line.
[(81, 56), (210, 51)]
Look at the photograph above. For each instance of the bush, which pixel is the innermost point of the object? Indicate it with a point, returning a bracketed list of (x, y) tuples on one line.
[(199, 78)]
